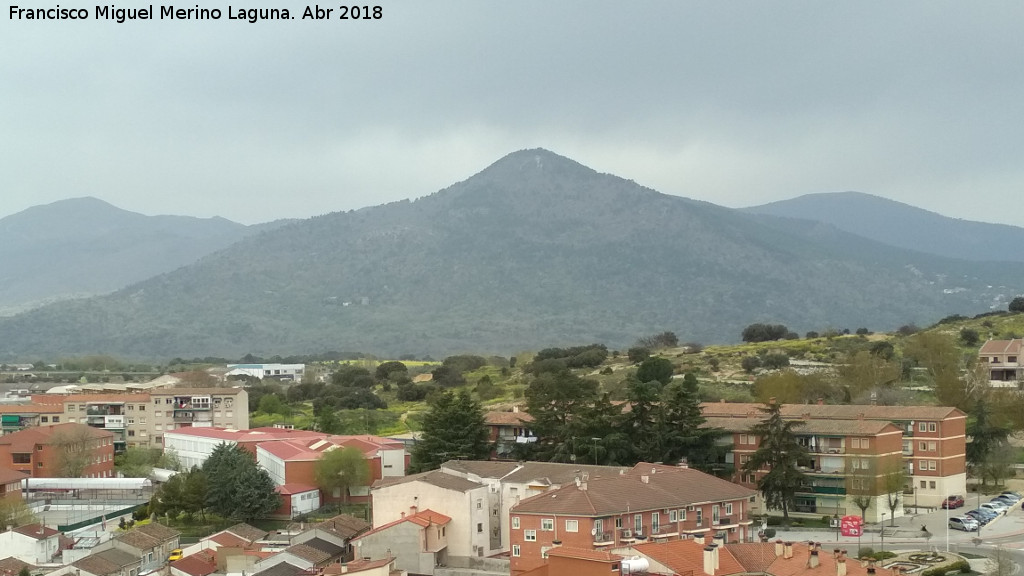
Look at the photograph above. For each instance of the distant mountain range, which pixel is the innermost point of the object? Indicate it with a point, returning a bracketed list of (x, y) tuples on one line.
[(899, 224), (84, 246), (535, 250)]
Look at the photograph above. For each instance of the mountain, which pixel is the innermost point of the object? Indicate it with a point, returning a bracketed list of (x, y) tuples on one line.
[(535, 250), (905, 226), (85, 246)]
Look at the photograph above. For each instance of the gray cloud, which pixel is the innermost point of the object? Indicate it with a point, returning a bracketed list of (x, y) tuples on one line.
[(735, 103)]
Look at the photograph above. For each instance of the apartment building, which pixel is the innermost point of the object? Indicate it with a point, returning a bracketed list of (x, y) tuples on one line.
[(140, 419), (39, 452), (1004, 360), (857, 444), (650, 502)]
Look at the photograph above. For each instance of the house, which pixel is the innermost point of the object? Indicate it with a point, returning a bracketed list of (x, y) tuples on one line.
[(42, 452), (297, 499), (32, 543), (418, 541), (152, 543), (11, 482), (511, 482), (466, 502), (338, 531), (843, 439), (110, 562), (649, 502), (1004, 360), (506, 429)]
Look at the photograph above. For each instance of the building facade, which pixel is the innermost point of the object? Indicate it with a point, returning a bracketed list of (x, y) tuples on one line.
[(1004, 360), (51, 451), (852, 448), (650, 502)]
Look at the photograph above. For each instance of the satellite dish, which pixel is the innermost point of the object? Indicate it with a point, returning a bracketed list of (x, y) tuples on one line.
[(593, 531)]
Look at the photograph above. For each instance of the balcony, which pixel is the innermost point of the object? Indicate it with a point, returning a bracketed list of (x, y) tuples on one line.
[(604, 539)]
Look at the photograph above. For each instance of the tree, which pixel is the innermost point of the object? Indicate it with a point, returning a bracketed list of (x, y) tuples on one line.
[(938, 354), (14, 511), (1017, 304), (750, 363), (987, 433), (861, 483), (137, 462), (349, 375), (638, 354), (453, 428), (778, 453), (341, 469), (663, 340), (1000, 563), (894, 482), (386, 369), (271, 404), (764, 332), (655, 369), (328, 422), (683, 426), (864, 372), (74, 446), (641, 422), (558, 402), (237, 487), (969, 336)]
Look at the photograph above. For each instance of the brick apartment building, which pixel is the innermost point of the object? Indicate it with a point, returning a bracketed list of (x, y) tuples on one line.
[(38, 451), (650, 502), (852, 444)]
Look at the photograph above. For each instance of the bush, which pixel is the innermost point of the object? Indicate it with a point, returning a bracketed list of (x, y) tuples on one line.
[(638, 354), (883, 555), (963, 566), (750, 363), (768, 533), (969, 336), (775, 360), (811, 335), (1017, 304), (866, 552), (607, 370)]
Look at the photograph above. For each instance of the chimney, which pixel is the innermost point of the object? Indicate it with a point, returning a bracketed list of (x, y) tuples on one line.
[(840, 566), (683, 463), (699, 539), (645, 479), (787, 551), (719, 540), (779, 549), (344, 569), (413, 510), (812, 558), (403, 514), (709, 561), (717, 552)]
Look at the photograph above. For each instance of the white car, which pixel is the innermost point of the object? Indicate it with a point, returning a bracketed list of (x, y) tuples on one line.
[(995, 507), (965, 523)]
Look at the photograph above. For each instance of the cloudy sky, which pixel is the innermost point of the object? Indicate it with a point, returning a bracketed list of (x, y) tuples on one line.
[(736, 103)]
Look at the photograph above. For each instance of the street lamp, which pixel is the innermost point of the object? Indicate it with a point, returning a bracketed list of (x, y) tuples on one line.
[(595, 449), (883, 531)]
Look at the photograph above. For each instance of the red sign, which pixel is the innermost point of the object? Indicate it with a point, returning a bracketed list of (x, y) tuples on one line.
[(851, 526)]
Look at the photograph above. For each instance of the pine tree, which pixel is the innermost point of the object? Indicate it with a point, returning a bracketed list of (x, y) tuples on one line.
[(558, 402), (778, 452), (236, 487), (453, 428), (683, 426)]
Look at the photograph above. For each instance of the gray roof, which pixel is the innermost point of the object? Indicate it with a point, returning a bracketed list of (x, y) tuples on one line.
[(434, 477), (523, 472), (106, 562), (325, 546), (281, 569)]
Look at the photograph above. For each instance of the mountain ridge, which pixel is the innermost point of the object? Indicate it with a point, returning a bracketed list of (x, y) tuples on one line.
[(533, 250)]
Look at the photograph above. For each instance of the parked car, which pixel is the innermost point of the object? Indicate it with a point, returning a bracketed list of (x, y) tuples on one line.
[(965, 523), (1011, 496), (1007, 500), (982, 516), (175, 555), (952, 502), (1016, 495), (997, 507)]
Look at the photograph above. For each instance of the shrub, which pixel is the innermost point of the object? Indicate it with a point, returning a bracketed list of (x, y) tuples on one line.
[(866, 552), (775, 360), (769, 533), (750, 363)]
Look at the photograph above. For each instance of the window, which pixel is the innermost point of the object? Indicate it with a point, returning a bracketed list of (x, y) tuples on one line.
[(71, 419), (933, 446), (142, 407), (39, 465), (547, 524), (922, 427), (71, 407), (922, 446), (44, 418), (682, 515), (638, 523), (1012, 359), (655, 522), (932, 427), (922, 465), (131, 432), (131, 407), (515, 522), (143, 421), (924, 484), (56, 418), (931, 484), (530, 535), (572, 526), (672, 516), (618, 522), (700, 517), (131, 420), (728, 509), (515, 550), (479, 503), (158, 414), (21, 458), (598, 526), (931, 464), (479, 527)]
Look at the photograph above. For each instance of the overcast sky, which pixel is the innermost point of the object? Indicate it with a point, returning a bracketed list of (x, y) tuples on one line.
[(736, 103)]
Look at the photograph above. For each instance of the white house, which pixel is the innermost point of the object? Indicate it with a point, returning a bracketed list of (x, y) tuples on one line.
[(32, 543)]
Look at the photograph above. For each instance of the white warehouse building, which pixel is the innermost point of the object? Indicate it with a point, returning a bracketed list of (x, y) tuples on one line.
[(292, 372)]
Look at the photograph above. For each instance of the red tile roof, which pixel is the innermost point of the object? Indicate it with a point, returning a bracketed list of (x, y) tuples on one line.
[(8, 476), (1001, 347), (36, 531), (423, 518), (645, 487), (682, 556), (228, 540), (194, 566), (507, 418), (835, 411), (584, 554)]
